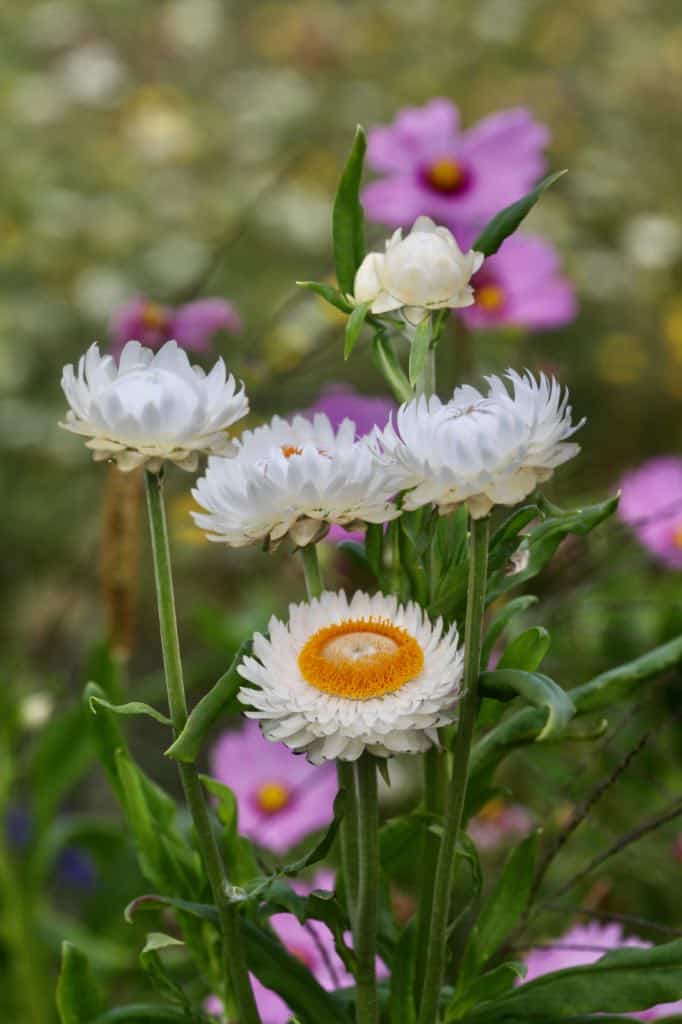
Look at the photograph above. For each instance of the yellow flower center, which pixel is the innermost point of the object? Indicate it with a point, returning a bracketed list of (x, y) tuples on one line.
[(677, 537), (154, 316), (272, 797), (290, 449), (489, 297), (445, 175), (360, 658)]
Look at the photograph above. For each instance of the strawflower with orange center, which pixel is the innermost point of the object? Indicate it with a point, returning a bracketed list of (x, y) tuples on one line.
[(347, 675)]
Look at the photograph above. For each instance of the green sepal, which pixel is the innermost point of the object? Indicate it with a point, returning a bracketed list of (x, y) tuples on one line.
[(348, 219), (507, 220), (78, 997)]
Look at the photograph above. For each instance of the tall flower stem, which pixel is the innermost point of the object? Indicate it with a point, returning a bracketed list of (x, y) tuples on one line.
[(435, 783), (234, 961), (436, 949), (348, 831), (365, 929)]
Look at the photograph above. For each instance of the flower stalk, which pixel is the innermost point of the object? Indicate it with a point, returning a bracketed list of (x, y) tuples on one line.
[(365, 925), (436, 948), (235, 970)]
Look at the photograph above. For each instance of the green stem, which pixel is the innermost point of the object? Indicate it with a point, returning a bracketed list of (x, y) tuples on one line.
[(348, 837), (436, 949), (435, 787), (26, 969), (233, 947), (426, 383), (311, 571), (365, 931)]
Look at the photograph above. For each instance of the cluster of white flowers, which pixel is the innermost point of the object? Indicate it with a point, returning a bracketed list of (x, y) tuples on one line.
[(341, 677)]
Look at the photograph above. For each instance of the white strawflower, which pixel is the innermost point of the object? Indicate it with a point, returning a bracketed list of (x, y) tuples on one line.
[(151, 407), (346, 676), (425, 271), (482, 450), (293, 479)]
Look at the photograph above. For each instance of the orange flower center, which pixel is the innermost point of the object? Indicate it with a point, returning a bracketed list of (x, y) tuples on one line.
[(445, 175), (677, 537), (154, 316), (489, 297), (290, 449), (492, 811), (360, 658), (272, 797)]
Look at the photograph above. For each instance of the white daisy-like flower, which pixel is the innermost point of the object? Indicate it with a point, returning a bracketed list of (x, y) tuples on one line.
[(424, 271), (151, 406), (484, 450), (293, 479), (344, 676)]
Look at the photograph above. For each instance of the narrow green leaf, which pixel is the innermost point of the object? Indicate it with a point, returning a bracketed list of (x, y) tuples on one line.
[(134, 707), (327, 291), (155, 901), (348, 221), (499, 622), (374, 548), (503, 908), (419, 349), (491, 985), (539, 690), (527, 651), (622, 981), (387, 363), (239, 855), (202, 717), (107, 735), (354, 326), (154, 967), (78, 997), (321, 848), (507, 220)]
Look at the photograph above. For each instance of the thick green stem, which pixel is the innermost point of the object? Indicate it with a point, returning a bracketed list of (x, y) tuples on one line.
[(365, 925), (436, 949), (234, 961), (311, 571), (435, 786), (426, 383), (348, 837)]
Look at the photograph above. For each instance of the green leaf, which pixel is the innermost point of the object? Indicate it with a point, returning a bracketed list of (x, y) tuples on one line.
[(155, 901), (387, 363), (507, 220), (419, 349), (327, 291), (108, 737), (503, 908), (321, 848), (354, 326), (623, 981), (400, 841), (491, 985), (527, 650), (134, 707), (153, 966), (401, 1007), (202, 717), (374, 548), (239, 855), (348, 221), (501, 620), (78, 998), (537, 689)]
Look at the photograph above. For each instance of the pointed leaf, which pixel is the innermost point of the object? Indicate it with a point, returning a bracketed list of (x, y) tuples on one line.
[(490, 985), (354, 326), (507, 220), (154, 967), (537, 689), (134, 707), (419, 349), (527, 650), (348, 219), (500, 622), (78, 998), (327, 291), (321, 849)]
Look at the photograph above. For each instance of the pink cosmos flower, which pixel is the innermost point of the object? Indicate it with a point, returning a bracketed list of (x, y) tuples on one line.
[(340, 402), (280, 796), (584, 944), (651, 504), (314, 945), (521, 286), (498, 822), (192, 325), (459, 178)]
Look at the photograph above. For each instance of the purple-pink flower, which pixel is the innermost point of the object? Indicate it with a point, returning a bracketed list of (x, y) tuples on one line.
[(585, 944), (459, 178), (192, 325), (498, 822), (312, 943), (521, 286), (340, 402), (280, 796), (651, 504)]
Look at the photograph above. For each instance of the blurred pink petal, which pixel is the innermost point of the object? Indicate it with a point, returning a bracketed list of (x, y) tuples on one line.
[(192, 325), (651, 504)]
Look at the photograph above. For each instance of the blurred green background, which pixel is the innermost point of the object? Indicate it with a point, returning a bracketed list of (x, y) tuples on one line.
[(193, 147)]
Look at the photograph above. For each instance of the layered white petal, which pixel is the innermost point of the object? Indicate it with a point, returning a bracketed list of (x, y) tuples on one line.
[(325, 726), (484, 450), (151, 407), (293, 479), (424, 271)]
